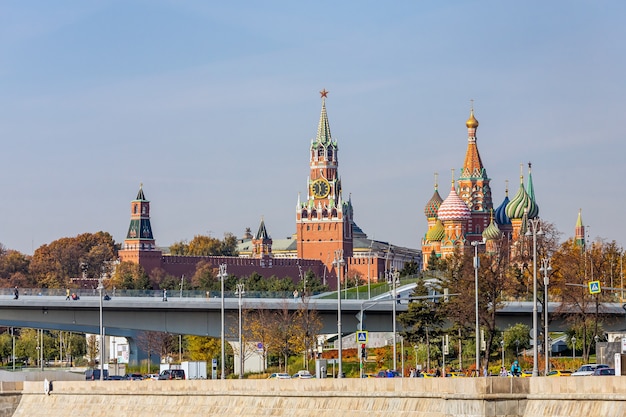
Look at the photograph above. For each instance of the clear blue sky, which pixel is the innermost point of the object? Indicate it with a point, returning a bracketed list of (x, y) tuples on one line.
[(212, 106)]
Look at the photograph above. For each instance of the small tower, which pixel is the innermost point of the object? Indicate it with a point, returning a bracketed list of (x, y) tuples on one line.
[(579, 239), (262, 243), (139, 246)]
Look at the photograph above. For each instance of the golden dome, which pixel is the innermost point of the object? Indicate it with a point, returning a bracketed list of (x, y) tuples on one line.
[(471, 122)]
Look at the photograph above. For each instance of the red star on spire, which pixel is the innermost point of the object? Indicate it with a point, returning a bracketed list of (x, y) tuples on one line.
[(324, 93)]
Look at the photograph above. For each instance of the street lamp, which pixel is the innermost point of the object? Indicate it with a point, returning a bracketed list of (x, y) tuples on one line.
[(393, 279), (502, 345), (415, 350), (535, 224), (545, 268), (100, 288), (339, 263), (596, 338), (240, 292), (476, 266), (222, 277), (573, 339)]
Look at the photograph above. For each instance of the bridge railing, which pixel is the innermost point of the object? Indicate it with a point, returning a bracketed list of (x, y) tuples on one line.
[(171, 294)]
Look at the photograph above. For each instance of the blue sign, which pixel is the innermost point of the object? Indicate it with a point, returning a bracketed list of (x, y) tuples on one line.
[(361, 336), (594, 287)]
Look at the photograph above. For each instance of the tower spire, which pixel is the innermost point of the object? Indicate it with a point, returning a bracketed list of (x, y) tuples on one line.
[(323, 129), (579, 239)]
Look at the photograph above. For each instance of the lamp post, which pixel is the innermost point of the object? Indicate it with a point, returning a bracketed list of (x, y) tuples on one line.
[(13, 342), (502, 345), (596, 338), (240, 293), (222, 277), (476, 266), (100, 288), (573, 339), (415, 351), (545, 268), (535, 224), (339, 262), (393, 279)]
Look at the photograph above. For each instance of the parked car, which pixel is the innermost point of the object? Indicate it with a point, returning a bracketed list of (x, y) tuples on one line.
[(279, 375), (115, 378), (134, 377), (559, 372), (172, 374), (153, 377), (604, 372), (588, 369), (94, 374), (303, 374), (388, 374)]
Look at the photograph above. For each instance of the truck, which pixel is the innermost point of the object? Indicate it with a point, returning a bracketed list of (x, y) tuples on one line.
[(194, 369)]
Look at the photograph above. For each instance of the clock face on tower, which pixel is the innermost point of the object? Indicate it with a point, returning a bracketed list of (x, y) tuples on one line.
[(320, 188)]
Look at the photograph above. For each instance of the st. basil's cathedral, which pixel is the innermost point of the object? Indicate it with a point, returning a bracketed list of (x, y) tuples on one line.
[(467, 214)]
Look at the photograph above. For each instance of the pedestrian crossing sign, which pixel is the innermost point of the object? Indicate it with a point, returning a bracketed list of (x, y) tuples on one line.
[(361, 336), (594, 287)]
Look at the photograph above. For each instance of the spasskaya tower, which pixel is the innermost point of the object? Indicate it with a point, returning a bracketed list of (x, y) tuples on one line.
[(323, 220)]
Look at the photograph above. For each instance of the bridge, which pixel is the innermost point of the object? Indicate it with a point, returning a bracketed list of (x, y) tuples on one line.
[(189, 315)]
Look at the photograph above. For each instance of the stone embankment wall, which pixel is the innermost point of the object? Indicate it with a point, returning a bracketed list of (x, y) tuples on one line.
[(397, 397), (10, 395)]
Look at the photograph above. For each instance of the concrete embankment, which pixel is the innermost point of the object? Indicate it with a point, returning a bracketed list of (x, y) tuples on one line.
[(464, 397)]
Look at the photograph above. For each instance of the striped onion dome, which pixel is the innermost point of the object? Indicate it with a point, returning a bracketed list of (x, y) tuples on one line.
[(500, 213), (436, 233), (492, 232), (453, 207), (432, 207)]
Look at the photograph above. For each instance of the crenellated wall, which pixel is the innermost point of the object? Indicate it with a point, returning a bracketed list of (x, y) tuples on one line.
[(415, 397)]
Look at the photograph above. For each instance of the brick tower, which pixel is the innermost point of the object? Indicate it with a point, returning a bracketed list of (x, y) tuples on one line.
[(323, 220), (139, 246)]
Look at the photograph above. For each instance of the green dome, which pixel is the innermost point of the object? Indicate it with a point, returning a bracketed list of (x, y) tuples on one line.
[(437, 232)]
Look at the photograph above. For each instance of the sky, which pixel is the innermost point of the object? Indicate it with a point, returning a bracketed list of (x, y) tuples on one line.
[(212, 107)]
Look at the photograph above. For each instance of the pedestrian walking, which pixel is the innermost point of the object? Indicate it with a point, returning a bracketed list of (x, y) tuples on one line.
[(67, 294), (165, 295), (16, 293)]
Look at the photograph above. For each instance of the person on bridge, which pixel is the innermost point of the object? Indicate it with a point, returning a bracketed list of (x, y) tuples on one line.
[(515, 369), (165, 295), (16, 293), (67, 294)]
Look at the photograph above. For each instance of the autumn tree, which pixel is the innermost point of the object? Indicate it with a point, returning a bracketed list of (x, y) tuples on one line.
[(93, 349), (307, 325), (573, 268), (87, 255), (202, 245), (258, 325), (129, 276), (14, 269)]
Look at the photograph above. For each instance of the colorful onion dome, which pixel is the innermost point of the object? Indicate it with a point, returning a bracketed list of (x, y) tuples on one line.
[(453, 207), (436, 233), (500, 212), (522, 204), (471, 123), (432, 207), (533, 210), (492, 232)]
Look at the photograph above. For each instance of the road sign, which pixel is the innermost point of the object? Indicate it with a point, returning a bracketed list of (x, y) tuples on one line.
[(594, 287), (361, 336)]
